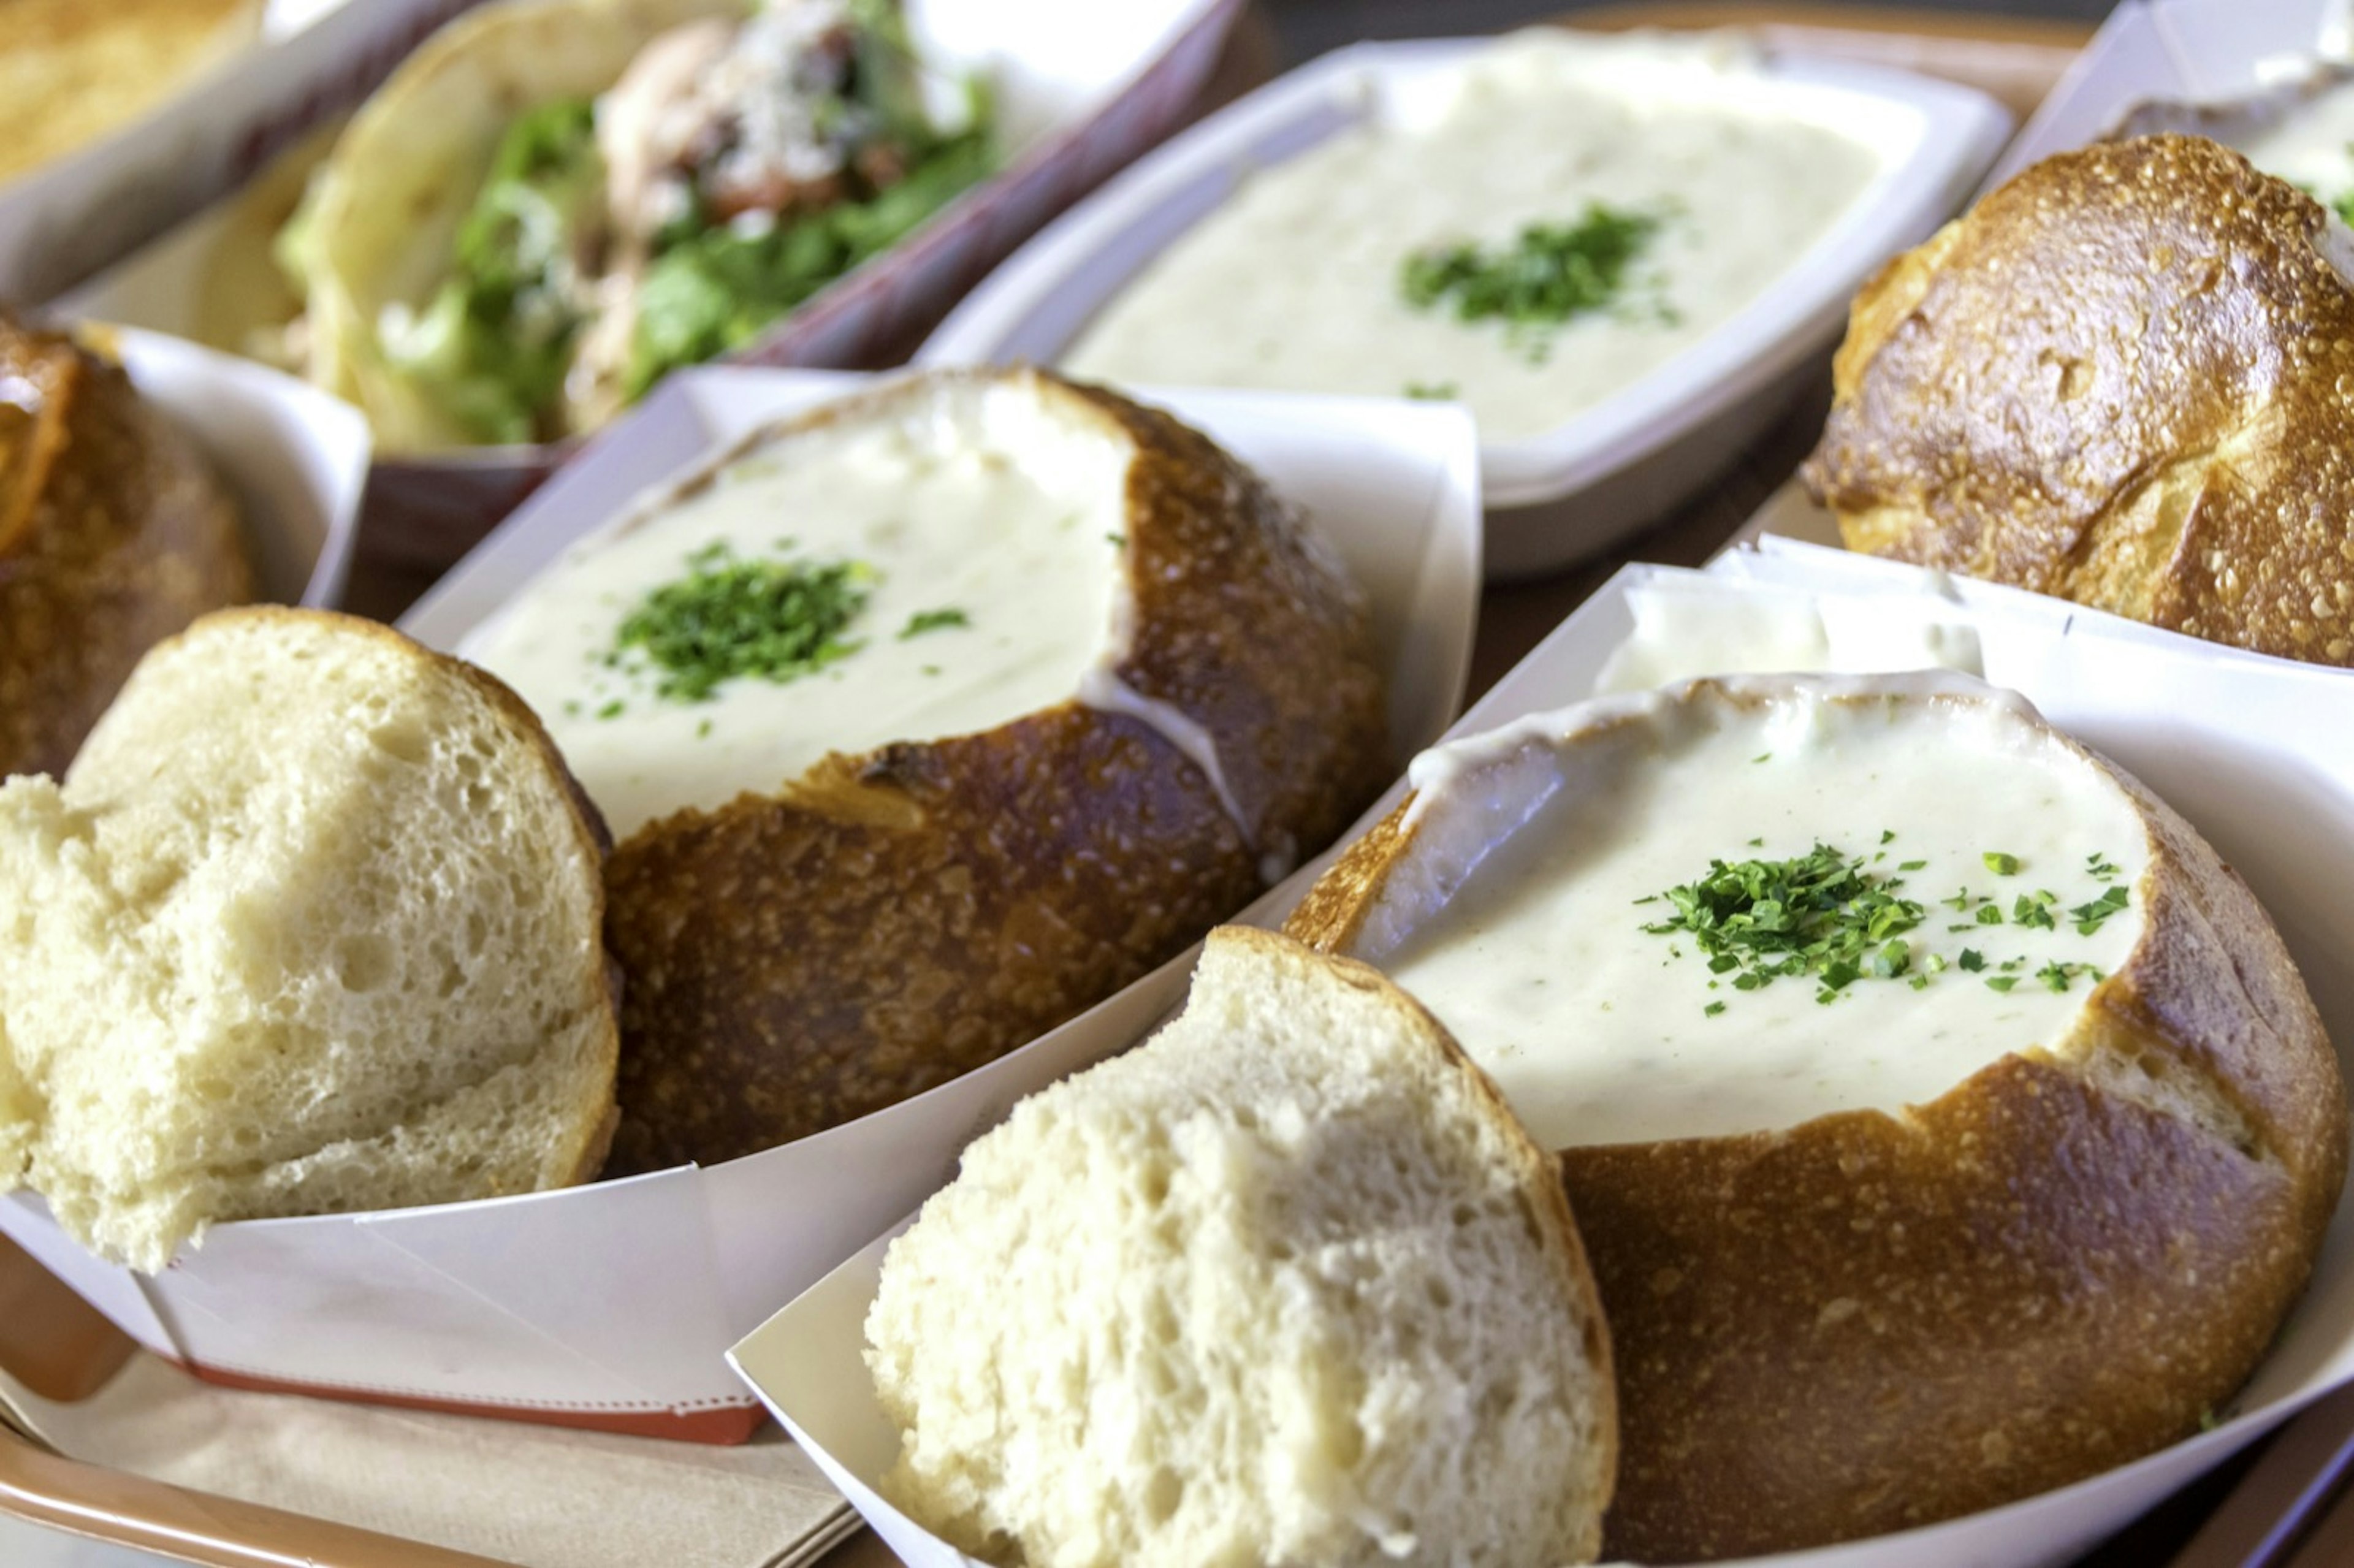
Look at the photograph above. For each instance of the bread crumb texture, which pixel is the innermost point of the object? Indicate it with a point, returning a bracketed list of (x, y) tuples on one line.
[(1286, 1283), (2125, 378), (311, 925)]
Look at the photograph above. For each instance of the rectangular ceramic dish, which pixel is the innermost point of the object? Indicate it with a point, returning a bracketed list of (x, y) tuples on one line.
[(1560, 496)]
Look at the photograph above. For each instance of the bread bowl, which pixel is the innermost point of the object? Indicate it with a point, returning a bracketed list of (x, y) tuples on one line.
[(2120, 378), (312, 925), (114, 533), (1286, 1283), (1894, 1297), (857, 905)]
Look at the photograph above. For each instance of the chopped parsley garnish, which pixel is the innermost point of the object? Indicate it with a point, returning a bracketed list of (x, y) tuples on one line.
[(1433, 391), (2088, 916), (2100, 865), (1550, 274), (1989, 916), (1888, 835), (1911, 864), (2032, 910), (1999, 864), (2002, 982), (1972, 959), (925, 620), (1821, 914), (727, 617), (611, 710), (2058, 976), (1714, 1008)]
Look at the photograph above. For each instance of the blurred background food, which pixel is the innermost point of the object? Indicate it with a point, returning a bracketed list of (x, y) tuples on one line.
[(72, 70)]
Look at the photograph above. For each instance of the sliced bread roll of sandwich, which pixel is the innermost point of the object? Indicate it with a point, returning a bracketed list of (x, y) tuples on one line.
[(2121, 378), (314, 923), (115, 533), (1284, 1284), (1945, 1121)]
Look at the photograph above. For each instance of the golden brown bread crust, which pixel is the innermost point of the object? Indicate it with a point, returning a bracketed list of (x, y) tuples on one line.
[(1873, 1322), (896, 919), (115, 533), (2119, 379)]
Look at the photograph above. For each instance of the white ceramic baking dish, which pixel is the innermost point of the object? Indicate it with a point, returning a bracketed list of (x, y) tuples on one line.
[(1554, 498)]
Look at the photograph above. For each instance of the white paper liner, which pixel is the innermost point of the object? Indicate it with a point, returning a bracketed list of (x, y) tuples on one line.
[(1560, 496), (617, 1300), (2187, 51), (2231, 743)]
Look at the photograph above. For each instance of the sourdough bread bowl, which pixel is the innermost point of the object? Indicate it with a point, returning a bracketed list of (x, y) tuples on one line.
[(2121, 378), (1071, 686), (1945, 1124), (115, 533), (312, 925), (1288, 1283)]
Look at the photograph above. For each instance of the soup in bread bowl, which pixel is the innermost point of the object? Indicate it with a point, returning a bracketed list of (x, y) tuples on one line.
[(1945, 1121), (927, 720)]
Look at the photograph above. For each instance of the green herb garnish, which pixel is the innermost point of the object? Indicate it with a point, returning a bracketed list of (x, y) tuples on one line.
[(1550, 274), (2088, 916), (2002, 982), (925, 620), (1972, 959), (1821, 914), (1999, 864), (728, 617), (2033, 911), (1433, 391)]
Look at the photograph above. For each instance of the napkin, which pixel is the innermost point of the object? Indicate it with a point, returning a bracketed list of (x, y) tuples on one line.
[(538, 1497)]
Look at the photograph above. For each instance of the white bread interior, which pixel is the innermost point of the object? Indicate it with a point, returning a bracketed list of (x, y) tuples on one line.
[(1286, 1283), (312, 925)]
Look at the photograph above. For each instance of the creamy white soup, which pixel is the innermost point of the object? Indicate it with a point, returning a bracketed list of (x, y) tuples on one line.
[(1297, 280), (1538, 918), (977, 525)]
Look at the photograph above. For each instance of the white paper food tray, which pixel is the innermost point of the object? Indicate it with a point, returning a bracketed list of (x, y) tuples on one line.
[(611, 1305), (62, 221), (2185, 51), (295, 459), (1080, 90), (1557, 497), (2232, 746)]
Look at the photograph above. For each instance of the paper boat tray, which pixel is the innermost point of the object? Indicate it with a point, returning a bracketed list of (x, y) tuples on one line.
[(612, 1305), (2229, 740)]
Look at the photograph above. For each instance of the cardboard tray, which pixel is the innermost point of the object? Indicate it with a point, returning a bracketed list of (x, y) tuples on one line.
[(609, 1306), (2222, 739)]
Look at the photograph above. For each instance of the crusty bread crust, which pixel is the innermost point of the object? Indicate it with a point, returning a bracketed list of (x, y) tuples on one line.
[(2117, 380), (113, 535), (894, 919), (1872, 1322)]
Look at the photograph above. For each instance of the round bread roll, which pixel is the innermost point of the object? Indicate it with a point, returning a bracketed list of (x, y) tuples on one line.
[(1100, 688), (1897, 1212), (2121, 380), (312, 925), (115, 533), (1284, 1284)]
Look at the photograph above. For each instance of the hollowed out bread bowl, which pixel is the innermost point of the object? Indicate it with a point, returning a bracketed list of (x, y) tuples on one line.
[(1915, 1250), (312, 925), (2121, 378), (1099, 685), (115, 533), (1286, 1283)]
